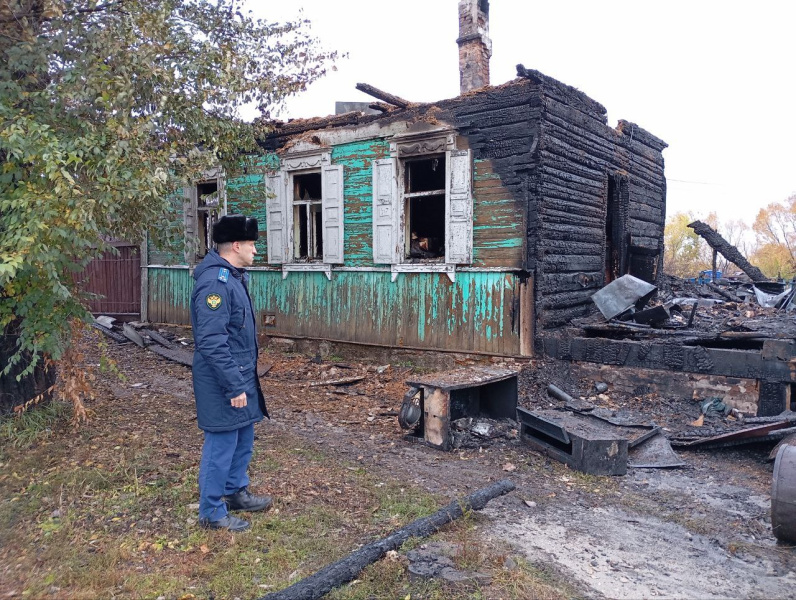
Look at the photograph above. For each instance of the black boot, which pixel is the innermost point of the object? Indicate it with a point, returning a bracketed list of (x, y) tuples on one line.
[(234, 524), (245, 500)]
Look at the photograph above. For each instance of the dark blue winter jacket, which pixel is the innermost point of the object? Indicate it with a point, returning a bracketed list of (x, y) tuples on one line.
[(225, 356)]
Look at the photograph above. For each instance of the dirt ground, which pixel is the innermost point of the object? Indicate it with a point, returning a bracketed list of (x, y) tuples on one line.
[(702, 531)]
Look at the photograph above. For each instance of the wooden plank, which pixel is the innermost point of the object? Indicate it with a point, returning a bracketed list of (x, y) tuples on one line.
[(436, 417), (526, 317)]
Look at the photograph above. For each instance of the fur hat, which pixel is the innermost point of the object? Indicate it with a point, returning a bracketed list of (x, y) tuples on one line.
[(235, 228)]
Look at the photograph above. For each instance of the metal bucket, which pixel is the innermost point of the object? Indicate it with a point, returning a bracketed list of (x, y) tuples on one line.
[(783, 495)]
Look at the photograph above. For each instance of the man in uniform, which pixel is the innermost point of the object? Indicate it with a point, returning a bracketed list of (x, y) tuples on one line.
[(229, 400)]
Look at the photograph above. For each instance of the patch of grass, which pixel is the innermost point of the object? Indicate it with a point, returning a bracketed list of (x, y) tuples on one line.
[(23, 429), (309, 453), (399, 504), (107, 515), (526, 580)]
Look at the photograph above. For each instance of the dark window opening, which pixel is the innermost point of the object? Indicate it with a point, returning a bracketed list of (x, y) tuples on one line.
[(208, 205), (427, 227), (616, 228), (424, 190), (307, 217), (425, 175)]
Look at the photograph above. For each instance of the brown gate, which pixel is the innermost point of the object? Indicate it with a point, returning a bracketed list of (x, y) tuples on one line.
[(116, 280)]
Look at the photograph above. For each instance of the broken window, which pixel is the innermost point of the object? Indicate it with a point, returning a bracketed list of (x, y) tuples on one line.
[(207, 213), (423, 206), (424, 196), (203, 204), (307, 217)]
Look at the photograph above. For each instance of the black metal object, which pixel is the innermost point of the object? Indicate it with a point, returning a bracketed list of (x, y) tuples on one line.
[(583, 444), (560, 394), (411, 409), (783, 495)]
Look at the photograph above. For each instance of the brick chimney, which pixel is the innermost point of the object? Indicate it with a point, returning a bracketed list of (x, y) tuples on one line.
[(475, 47)]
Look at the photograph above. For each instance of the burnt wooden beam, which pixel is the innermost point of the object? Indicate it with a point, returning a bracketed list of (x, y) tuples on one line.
[(721, 292), (380, 106), (727, 250), (346, 569), (382, 95)]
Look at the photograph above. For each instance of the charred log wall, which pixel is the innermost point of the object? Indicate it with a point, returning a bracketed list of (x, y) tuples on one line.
[(501, 126), (580, 158)]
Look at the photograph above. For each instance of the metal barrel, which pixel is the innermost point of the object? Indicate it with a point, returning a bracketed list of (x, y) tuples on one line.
[(783, 495)]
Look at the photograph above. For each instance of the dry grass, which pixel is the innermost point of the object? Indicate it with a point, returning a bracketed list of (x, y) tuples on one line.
[(107, 510)]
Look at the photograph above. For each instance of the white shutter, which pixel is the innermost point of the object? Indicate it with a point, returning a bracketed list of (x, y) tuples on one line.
[(385, 212), (276, 216), (332, 207), (221, 181), (189, 199), (459, 208)]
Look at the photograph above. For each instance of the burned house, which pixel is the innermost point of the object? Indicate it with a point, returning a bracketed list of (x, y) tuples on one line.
[(473, 224)]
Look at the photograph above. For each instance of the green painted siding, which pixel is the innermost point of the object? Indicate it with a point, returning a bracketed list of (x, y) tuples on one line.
[(246, 195), (356, 159), (169, 296), (478, 312), (498, 221)]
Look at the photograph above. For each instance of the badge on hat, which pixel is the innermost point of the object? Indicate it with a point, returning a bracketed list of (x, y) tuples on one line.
[(213, 301)]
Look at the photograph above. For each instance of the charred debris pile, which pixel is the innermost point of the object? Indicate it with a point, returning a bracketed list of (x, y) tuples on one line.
[(726, 313)]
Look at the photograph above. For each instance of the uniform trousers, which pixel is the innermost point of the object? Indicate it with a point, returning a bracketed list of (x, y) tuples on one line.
[(223, 469)]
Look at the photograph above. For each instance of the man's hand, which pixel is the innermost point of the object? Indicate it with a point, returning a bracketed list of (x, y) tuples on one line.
[(239, 401)]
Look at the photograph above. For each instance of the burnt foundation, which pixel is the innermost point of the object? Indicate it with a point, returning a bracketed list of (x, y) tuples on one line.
[(762, 377)]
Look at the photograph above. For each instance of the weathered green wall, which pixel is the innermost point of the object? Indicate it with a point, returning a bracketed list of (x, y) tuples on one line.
[(169, 296), (498, 220), (246, 195), (478, 312), (356, 159)]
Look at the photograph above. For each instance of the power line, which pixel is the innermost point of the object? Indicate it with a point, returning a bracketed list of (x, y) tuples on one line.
[(694, 182)]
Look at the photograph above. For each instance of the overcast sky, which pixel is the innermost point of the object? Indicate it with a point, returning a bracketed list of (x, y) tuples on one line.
[(716, 80)]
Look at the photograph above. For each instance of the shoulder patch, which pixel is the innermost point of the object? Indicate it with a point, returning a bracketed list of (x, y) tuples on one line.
[(223, 274), (213, 301)]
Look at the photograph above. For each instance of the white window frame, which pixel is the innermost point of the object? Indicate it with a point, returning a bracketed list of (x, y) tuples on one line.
[(389, 203), (280, 211)]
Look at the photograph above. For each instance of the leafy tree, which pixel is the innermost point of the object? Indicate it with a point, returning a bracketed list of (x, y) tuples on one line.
[(686, 253), (775, 229), (682, 247), (774, 260), (104, 106)]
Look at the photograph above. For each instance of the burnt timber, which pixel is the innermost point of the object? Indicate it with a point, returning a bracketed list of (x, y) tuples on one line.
[(727, 250), (344, 570)]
